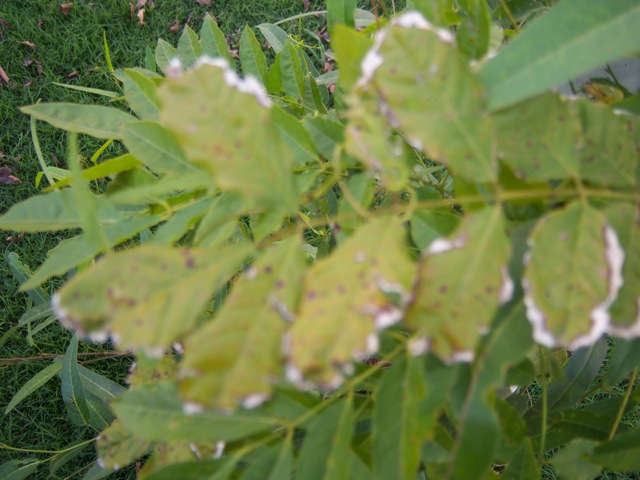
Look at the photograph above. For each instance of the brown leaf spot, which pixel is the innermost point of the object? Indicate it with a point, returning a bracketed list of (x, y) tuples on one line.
[(311, 295), (340, 289), (443, 289), (190, 262), (65, 8), (268, 269), (280, 284)]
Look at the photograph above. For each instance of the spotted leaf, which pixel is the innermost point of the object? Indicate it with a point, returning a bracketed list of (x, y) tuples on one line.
[(235, 358), (148, 296), (347, 298), (460, 284), (572, 275)]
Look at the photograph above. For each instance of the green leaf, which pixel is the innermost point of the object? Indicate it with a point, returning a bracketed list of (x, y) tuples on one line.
[(94, 120), (117, 448), (624, 358), (326, 134), (73, 251), (573, 461), (323, 454), (295, 136), (157, 147), (235, 357), (340, 11), (219, 223), (461, 282), (142, 95), (189, 48), (451, 126), (473, 32), (22, 274), (291, 71), (570, 39), (155, 413), (609, 156), (427, 225), (252, 57), (275, 464), (164, 53), (275, 36), (345, 302), (104, 169), (73, 391), (18, 469), (625, 310), (155, 303), (65, 456), (242, 148), (523, 466), (621, 453), (213, 41), (539, 139), (181, 222), (38, 380), (350, 48), (399, 421), (572, 275), (209, 469), (99, 385)]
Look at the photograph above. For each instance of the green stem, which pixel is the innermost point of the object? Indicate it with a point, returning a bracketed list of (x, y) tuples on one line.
[(301, 15), (36, 145), (623, 406), (545, 406), (510, 16)]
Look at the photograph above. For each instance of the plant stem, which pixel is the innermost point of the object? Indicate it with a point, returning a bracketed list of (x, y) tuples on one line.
[(545, 406), (301, 15), (510, 16), (36, 146), (623, 405)]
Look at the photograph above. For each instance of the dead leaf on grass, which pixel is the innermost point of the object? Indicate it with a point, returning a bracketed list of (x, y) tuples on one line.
[(65, 8), (32, 61), (72, 75), (4, 23), (27, 82), (40, 24), (29, 44), (204, 2), (4, 78), (7, 178), (307, 5), (175, 26), (14, 238), (140, 16)]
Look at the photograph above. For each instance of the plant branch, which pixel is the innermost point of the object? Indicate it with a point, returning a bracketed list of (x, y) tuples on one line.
[(623, 405)]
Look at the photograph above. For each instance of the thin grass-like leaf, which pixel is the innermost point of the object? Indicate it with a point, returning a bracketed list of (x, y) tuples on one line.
[(38, 380)]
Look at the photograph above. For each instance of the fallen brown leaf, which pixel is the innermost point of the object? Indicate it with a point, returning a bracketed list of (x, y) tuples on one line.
[(7, 178), (40, 24), (29, 44), (72, 75), (139, 4), (4, 78), (4, 23), (14, 239), (306, 4), (140, 16), (204, 2), (175, 26), (65, 8), (27, 82)]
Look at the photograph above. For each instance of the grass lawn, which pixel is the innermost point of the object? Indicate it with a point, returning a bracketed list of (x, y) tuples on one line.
[(42, 44)]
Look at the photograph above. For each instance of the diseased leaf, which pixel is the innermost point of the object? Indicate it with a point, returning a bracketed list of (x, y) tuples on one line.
[(432, 95), (236, 357), (155, 303), (473, 32), (624, 218), (341, 312), (94, 120), (258, 168), (572, 275), (323, 454), (117, 448), (539, 139), (461, 283), (609, 156), (155, 413)]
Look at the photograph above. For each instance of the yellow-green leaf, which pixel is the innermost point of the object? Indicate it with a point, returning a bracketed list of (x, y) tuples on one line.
[(572, 275), (347, 299), (236, 357), (461, 283), (117, 447), (148, 296)]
